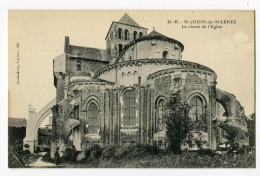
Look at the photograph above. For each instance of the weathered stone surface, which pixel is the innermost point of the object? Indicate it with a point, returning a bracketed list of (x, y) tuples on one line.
[(142, 66)]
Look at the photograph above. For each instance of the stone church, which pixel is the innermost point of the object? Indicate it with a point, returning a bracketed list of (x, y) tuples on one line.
[(117, 95)]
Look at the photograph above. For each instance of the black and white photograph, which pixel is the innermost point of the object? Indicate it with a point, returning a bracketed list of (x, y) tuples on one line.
[(131, 89)]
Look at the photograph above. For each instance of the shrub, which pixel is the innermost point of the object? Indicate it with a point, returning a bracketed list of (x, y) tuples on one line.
[(94, 152), (109, 152), (121, 152), (206, 152), (67, 154), (26, 145), (141, 150), (24, 152), (37, 149)]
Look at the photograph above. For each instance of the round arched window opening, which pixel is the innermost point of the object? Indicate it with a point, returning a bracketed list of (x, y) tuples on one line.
[(140, 34), (126, 34), (160, 124), (135, 35), (120, 48), (120, 33), (197, 108), (129, 108), (165, 54), (93, 121)]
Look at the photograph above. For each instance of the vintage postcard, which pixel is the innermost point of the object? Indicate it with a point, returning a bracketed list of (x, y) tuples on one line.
[(131, 89)]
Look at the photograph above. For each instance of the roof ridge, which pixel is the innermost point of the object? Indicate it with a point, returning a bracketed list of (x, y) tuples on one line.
[(126, 19), (155, 33)]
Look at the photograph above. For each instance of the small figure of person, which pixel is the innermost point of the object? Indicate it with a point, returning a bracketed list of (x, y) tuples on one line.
[(57, 156), (73, 155)]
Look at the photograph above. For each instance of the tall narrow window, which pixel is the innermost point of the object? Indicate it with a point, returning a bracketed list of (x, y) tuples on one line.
[(129, 108), (126, 34), (93, 122), (135, 35), (140, 34), (197, 108), (161, 112), (120, 48), (165, 54), (111, 35), (78, 65), (76, 112), (120, 33)]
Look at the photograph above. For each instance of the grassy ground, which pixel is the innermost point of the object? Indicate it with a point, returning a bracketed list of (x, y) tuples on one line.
[(188, 160), (145, 156)]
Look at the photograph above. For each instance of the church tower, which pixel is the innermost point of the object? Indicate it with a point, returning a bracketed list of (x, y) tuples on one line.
[(120, 34)]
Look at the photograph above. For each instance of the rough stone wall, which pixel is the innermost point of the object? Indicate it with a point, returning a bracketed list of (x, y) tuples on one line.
[(113, 41), (151, 49), (195, 83), (60, 86), (88, 67), (162, 86), (235, 115), (231, 105)]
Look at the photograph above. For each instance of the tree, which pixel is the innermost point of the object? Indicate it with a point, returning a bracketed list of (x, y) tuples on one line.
[(251, 130), (178, 123), (199, 127)]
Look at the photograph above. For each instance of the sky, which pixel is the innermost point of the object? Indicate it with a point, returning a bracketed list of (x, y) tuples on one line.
[(229, 50)]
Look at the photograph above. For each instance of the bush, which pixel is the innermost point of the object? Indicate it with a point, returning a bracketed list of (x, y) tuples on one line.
[(24, 152), (94, 152), (121, 152), (67, 154), (26, 145), (109, 152), (37, 149), (206, 152)]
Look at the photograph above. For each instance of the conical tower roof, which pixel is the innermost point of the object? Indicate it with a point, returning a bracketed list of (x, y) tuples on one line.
[(155, 34), (126, 19)]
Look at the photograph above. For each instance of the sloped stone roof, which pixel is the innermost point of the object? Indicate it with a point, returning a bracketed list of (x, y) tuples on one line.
[(88, 53), (126, 19), (155, 34), (16, 122)]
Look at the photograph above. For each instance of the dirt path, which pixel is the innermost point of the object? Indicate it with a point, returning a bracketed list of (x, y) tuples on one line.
[(40, 163)]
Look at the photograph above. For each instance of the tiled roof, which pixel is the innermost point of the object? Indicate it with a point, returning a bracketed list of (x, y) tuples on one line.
[(16, 122), (88, 53), (155, 34), (126, 19)]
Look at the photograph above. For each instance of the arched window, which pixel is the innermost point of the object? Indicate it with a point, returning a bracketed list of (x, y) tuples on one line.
[(140, 34), (126, 34), (130, 57), (120, 33), (165, 54), (111, 35), (129, 108), (135, 35), (197, 108), (160, 124), (78, 65), (93, 122), (120, 48)]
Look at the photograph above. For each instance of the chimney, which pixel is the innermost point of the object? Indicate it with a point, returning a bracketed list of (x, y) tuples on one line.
[(67, 44)]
